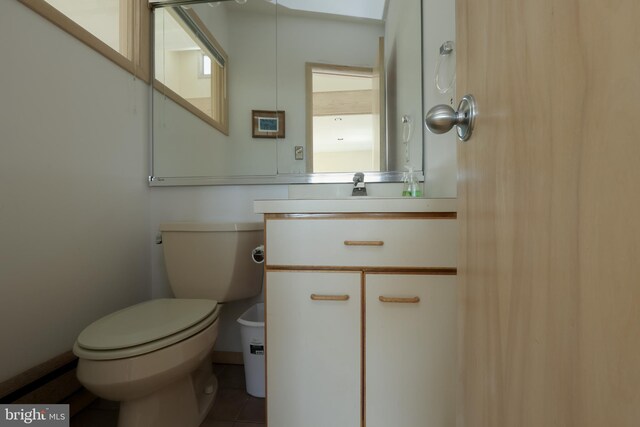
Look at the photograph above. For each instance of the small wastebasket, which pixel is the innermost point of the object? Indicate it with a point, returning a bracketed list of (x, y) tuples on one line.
[(252, 334)]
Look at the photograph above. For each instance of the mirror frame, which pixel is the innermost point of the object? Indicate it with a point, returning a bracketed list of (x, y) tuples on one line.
[(306, 178)]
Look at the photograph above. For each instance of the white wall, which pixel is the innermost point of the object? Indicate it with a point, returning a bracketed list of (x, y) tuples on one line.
[(440, 150), (343, 160), (73, 199), (403, 69)]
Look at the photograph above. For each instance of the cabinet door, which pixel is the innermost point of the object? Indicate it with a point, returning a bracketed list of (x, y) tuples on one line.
[(313, 349), (410, 350)]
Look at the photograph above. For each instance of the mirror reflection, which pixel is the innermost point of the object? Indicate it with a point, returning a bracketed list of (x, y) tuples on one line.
[(190, 65), (341, 128), (343, 77)]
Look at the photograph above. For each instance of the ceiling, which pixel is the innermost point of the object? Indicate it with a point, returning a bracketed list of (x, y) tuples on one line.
[(371, 9)]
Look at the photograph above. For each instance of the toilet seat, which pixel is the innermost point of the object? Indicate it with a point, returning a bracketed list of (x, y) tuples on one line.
[(145, 327)]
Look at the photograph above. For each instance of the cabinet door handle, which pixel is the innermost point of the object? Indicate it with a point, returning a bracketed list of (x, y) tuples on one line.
[(316, 297), (412, 300), (363, 243)]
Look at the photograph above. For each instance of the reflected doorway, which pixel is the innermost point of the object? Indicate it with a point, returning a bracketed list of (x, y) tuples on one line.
[(343, 119)]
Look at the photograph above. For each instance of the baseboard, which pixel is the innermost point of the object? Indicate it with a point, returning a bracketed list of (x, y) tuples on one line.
[(28, 383), (53, 381), (227, 357)]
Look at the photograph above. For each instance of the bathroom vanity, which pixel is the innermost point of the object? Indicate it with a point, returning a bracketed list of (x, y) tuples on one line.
[(360, 312)]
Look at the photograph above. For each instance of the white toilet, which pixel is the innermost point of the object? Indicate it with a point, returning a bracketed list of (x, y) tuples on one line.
[(154, 357)]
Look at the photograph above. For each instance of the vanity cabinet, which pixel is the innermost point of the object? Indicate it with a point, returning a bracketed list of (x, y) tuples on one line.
[(313, 364), (410, 341), (360, 319)]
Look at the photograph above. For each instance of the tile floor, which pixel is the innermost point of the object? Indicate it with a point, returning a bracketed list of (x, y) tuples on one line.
[(233, 406)]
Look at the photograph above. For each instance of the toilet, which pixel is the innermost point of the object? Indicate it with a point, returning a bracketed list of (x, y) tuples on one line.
[(154, 357)]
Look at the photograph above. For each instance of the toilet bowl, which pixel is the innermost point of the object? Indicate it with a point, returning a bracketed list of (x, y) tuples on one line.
[(154, 357)]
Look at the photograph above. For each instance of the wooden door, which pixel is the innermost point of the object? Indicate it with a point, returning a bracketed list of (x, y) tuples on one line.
[(549, 198)]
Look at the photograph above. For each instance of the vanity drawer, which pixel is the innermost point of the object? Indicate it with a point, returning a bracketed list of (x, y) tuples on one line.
[(414, 242)]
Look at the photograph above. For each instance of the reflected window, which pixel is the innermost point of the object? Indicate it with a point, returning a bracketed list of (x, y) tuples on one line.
[(205, 66), (116, 29), (190, 65), (103, 19)]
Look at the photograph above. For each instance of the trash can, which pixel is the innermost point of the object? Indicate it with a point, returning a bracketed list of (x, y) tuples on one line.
[(252, 334)]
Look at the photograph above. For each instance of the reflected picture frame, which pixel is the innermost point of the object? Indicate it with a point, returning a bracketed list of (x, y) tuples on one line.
[(267, 124)]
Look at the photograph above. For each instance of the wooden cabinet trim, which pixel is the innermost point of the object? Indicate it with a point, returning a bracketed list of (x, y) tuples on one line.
[(363, 349), (361, 216), (436, 271)]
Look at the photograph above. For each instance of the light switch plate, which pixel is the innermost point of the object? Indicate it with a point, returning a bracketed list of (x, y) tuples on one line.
[(299, 150)]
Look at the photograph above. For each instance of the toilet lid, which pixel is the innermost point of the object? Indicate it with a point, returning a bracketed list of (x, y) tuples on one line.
[(143, 323)]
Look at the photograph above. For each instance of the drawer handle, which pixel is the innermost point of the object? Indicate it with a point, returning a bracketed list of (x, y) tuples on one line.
[(412, 300), (363, 243), (317, 297)]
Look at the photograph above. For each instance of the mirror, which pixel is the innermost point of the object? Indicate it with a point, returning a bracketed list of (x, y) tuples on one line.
[(286, 91)]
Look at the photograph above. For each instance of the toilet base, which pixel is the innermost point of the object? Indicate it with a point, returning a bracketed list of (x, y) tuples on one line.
[(170, 387), (176, 405)]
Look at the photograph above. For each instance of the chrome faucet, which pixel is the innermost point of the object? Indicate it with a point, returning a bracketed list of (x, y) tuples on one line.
[(359, 188)]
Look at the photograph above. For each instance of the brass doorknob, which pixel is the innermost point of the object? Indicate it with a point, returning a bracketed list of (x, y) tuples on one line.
[(442, 118)]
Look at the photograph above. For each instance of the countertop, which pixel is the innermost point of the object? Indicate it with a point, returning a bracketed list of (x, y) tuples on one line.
[(355, 205)]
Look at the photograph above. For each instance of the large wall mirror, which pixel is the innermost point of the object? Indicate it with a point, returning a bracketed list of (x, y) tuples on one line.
[(285, 91)]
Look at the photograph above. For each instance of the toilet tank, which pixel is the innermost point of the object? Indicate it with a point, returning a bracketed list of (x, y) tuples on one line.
[(212, 261)]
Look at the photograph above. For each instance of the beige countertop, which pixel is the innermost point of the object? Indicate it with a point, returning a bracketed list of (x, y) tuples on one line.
[(355, 205)]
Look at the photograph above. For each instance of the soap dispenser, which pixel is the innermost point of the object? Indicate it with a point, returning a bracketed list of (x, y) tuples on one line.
[(411, 184), (406, 184)]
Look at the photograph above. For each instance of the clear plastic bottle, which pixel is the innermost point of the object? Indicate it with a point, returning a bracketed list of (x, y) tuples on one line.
[(416, 189), (406, 183), (411, 184)]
